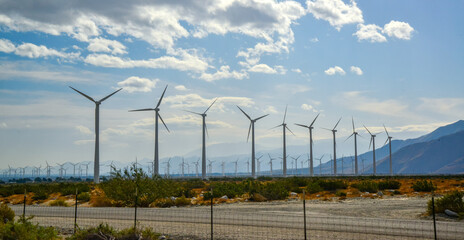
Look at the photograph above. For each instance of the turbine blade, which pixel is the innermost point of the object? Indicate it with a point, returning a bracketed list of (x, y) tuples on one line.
[(328, 129), (244, 113), (249, 129), (290, 130), (301, 125), (314, 120), (352, 121), (368, 130), (337, 124), (370, 142), (144, 109), (385, 142), (276, 126), (386, 130), (206, 128), (210, 105), (163, 123), (285, 114), (161, 98), (103, 99), (261, 117), (193, 112), (348, 137), (83, 94)]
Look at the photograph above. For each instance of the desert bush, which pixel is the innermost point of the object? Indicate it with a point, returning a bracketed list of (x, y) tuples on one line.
[(389, 184), (423, 186), (452, 201), (274, 191), (256, 197), (230, 189), (24, 229), (41, 195), (59, 203), (163, 203), (367, 186), (314, 187), (6, 213), (332, 185), (83, 196), (182, 201), (103, 231), (340, 193), (101, 201)]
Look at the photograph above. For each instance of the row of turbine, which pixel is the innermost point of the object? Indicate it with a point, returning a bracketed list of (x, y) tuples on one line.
[(251, 129)]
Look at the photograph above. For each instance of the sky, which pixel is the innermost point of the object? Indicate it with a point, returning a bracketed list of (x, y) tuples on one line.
[(391, 62)]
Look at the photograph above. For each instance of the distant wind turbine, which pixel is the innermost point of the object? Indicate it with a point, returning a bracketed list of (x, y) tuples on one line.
[(355, 134), (320, 164), (96, 170), (284, 153), (270, 162), (296, 164), (335, 147), (389, 140), (203, 147), (373, 149), (157, 115), (252, 129), (310, 129)]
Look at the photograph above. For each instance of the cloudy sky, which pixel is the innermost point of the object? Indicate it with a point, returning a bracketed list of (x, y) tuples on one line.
[(391, 62)]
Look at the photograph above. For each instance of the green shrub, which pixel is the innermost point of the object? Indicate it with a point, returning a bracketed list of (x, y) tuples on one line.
[(6, 213), (182, 201), (41, 195), (24, 229), (340, 193), (313, 187), (367, 186), (389, 184), (103, 231), (163, 203), (59, 203), (274, 191), (332, 185), (452, 201), (83, 196), (423, 186)]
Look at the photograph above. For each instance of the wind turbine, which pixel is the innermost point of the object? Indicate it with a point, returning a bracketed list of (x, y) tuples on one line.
[(259, 164), (196, 166), (270, 162), (355, 134), (157, 115), (310, 129), (96, 170), (284, 154), (373, 149), (210, 166), (168, 166), (335, 146), (389, 140), (87, 170), (296, 164), (203, 147), (222, 167), (252, 129), (236, 167), (61, 169), (74, 169)]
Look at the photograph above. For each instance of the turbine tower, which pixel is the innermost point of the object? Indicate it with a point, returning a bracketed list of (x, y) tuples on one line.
[(270, 162), (335, 147), (157, 115), (236, 167), (389, 140), (373, 149), (96, 170), (310, 129), (284, 153), (203, 147), (252, 129), (355, 134), (296, 164)]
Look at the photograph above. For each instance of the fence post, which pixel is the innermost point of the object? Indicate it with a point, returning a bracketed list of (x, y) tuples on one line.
[(75, 214), (135, 213), (433, 214), (304, 213), (24, 205), (211, 213)]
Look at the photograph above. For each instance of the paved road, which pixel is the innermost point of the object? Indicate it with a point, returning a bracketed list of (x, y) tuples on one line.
[(245, 223)]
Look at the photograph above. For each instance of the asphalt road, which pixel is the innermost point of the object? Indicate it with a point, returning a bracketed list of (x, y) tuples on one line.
[(246, 221)]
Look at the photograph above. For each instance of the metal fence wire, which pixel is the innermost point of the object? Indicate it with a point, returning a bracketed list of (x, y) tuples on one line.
[(244, 222)]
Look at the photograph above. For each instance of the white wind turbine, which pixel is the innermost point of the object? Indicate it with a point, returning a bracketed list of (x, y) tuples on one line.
[(389, 140), (210, 166), (236, 167), (296, 164), (270, 162), (252, 129), (355, 134), (310, 129), (284, 153), (334, 130), (96, 170), (204, 131), (157, 115), (222, 167), (196, 166), (373, 149)]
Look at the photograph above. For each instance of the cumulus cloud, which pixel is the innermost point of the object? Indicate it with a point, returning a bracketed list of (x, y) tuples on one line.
[(314, 40), (370, 32), (84, 130), (106, 45), (34, 51), (356, 70), (264, 68), (180, 88), (400, 30), (196, 101), (271, 109), (357, 101), (308, 107), (336, 12), (223, 73), (6, 46), (335, 70), (138, 84), (297, 70)]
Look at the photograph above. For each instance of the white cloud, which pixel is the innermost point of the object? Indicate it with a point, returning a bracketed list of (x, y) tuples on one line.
[(356, 70), (356, 101), (33, 51), (297, 70), (196, 101), (443, 106), (84, 130), (335, 70), (222, 73), (105, 45), (271, 109), (181, 88), (336, 12), (6, 46), (314, 40), (370, 32), (308, 107), (138, 84), (262, 68), (400, 30)]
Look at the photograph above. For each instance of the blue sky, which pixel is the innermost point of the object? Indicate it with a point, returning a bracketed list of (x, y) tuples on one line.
[(397, 63)]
